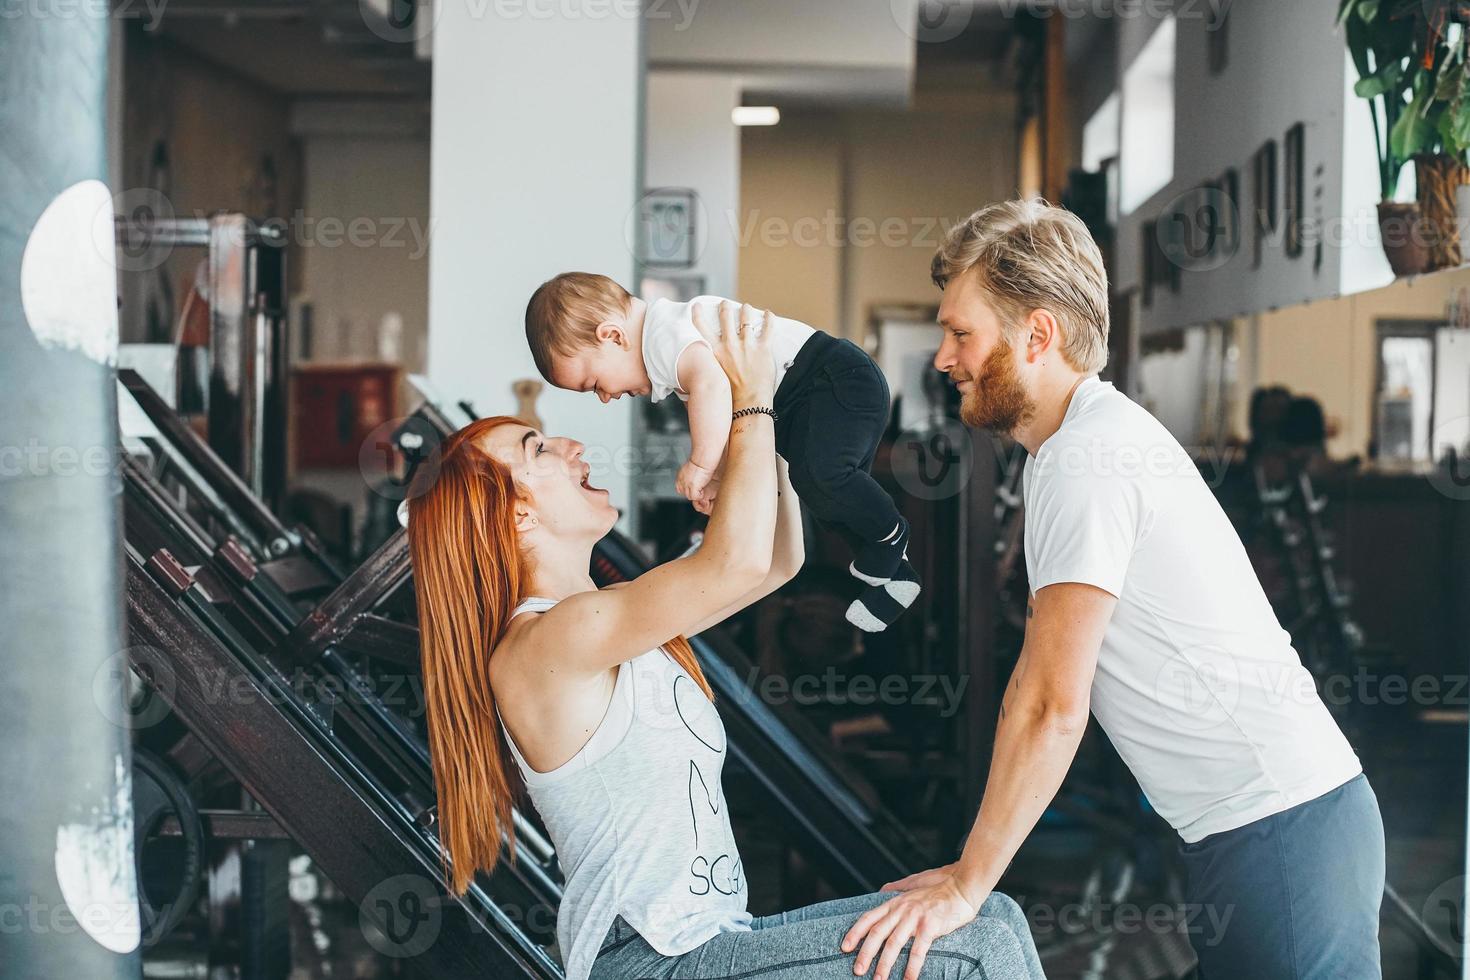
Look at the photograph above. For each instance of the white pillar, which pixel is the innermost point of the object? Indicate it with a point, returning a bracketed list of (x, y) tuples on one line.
[(692, 142), (533, 171)]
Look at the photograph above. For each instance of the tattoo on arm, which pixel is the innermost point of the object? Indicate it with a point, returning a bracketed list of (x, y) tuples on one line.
[(1013, 686)]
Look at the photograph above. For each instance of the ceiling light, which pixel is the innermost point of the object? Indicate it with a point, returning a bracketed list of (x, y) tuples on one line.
[(755, 115)]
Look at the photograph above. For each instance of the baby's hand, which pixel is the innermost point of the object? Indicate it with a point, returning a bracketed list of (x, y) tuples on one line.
[(706, 504), (692, 480)]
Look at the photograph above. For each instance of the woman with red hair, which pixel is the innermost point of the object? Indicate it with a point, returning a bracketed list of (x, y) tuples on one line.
[(591, 699)]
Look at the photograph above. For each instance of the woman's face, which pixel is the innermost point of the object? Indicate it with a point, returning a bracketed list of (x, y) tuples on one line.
[(551, 475)]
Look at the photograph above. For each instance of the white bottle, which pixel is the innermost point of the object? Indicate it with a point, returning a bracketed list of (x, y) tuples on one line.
[(390, 338)]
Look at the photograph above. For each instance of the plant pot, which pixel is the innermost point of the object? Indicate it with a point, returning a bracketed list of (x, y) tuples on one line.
[(1439, 177), (1404, 239)]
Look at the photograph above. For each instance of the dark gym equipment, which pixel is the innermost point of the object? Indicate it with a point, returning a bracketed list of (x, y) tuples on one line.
[(283, 752), (854, 846), (1319, 621), (253, 615), (245, 397), (158, 795)]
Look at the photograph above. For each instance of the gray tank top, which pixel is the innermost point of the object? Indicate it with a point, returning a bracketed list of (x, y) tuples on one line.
[(639, 820)]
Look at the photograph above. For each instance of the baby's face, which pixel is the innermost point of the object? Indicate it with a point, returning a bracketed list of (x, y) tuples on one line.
[(611, 369)]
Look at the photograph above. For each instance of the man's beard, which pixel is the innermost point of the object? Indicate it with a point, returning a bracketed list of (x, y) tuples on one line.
[(996, 399)]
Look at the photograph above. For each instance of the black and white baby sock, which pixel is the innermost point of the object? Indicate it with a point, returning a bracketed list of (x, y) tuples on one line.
[(876, 561), (879, 606)]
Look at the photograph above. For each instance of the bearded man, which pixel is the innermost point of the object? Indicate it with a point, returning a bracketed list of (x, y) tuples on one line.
[(1144, 610)]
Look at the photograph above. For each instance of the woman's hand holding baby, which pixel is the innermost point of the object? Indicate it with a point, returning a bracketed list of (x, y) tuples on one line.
[(744, 353)]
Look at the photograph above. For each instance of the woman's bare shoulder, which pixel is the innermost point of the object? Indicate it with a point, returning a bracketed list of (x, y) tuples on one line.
[(525, 631)]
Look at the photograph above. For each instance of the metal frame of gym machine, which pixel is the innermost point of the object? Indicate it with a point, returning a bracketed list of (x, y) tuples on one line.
[(856, 847), (246, 396), (342, 774), (360, 836)]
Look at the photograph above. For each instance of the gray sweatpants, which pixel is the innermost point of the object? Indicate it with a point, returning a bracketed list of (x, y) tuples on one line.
[(806, 944), (1295, 895)]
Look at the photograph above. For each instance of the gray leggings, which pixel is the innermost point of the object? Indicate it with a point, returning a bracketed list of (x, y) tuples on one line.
[(806, 944)]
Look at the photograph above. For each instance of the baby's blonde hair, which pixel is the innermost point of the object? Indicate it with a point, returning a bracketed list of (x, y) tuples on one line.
[(565, 311)]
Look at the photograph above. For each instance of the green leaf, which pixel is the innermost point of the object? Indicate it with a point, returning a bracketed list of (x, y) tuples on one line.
[(1457, 119), (1412, 134), (1447, 134), (1385, 80), (1368, 10), (1449, 79), (1359, 47)]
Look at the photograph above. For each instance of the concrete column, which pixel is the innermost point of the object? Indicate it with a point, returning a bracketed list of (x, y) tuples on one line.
[(534, 170), (68, 896)]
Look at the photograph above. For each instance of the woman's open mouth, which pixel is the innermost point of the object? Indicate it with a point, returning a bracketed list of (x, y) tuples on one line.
[(587, 482)]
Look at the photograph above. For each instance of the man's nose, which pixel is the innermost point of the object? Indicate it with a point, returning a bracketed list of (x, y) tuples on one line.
[(942, 361)]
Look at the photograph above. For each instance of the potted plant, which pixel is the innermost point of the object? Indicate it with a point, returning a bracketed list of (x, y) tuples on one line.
[(1411, 62)]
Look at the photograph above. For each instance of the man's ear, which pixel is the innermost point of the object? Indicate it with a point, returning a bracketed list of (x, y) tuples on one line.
[(1043, 334), (612, 330)]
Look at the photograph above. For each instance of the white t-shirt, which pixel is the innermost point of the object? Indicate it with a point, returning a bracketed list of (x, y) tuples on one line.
[(1197, 685), (668, 329)]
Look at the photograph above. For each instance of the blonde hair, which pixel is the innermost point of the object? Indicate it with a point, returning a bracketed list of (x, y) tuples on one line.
[(565, 311), (1033, 256)]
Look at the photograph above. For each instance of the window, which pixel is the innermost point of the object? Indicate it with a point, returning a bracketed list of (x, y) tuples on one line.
[(1100, 135), (1148, 120), (1404, 413)]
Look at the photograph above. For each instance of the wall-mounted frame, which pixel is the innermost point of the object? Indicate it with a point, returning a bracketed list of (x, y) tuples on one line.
[(1294, 197), (1227, 215), (1264, 200), (667, 230)]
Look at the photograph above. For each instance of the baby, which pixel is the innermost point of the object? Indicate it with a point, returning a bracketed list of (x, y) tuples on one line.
[(587, 333)]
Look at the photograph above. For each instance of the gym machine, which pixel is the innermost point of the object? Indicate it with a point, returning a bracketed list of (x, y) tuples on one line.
[(1319, 620), (284, 754), (220, 535), (244, 396), (334, 712)]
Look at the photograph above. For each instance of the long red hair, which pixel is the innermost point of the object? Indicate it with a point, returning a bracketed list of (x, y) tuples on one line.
[(469, 573)]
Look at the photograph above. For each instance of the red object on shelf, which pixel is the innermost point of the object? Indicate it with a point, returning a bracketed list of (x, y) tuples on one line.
[(335, 406)]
